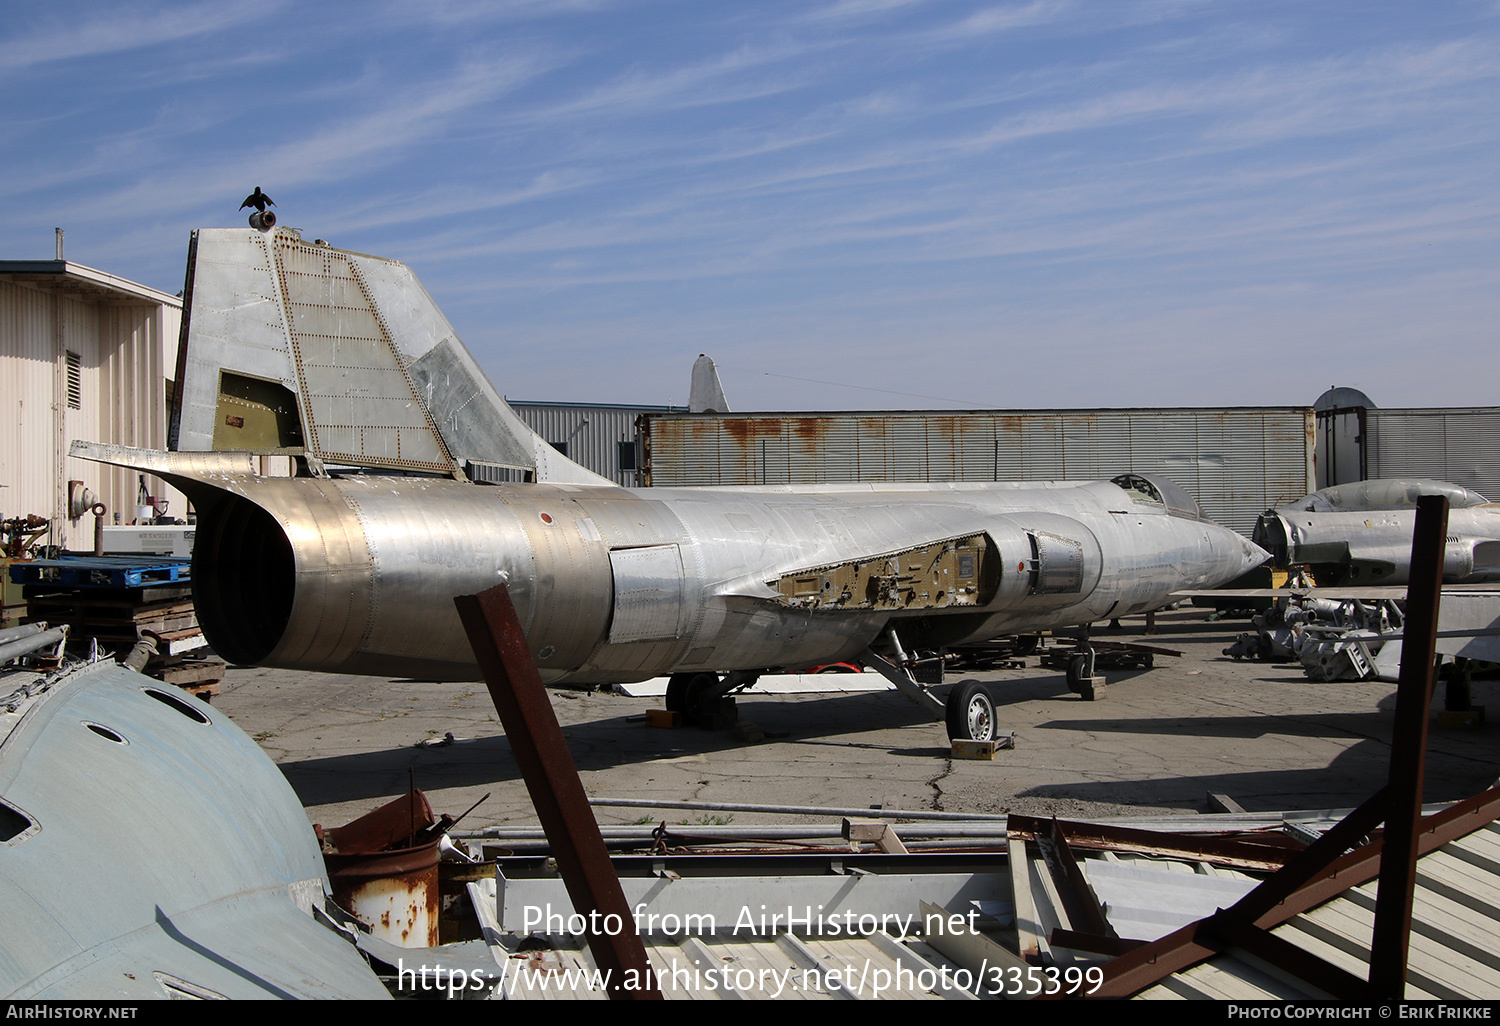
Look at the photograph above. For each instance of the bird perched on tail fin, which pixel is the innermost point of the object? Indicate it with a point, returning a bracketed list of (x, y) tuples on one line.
[(258, 200)]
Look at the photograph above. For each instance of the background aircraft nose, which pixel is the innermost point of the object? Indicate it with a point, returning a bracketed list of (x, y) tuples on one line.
[(1232, 555)]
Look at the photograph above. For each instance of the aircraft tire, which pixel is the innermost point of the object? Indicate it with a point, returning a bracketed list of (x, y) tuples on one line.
[(1077, 667), (694, 696), (677, 692), (971, 712)]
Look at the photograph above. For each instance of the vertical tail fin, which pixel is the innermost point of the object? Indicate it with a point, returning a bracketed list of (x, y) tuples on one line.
[(706, 394), (339, 357)]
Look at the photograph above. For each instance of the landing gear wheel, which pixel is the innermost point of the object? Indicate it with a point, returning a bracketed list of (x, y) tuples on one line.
[(701, 702), (971, 713), (677, 690), (1078, 670)]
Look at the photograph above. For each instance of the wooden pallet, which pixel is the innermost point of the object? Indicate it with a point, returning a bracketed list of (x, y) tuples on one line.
[(201, 676), (1109, 655), (119, 617)]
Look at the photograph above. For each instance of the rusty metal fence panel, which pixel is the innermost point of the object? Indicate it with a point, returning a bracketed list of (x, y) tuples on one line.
[(1238, 462)]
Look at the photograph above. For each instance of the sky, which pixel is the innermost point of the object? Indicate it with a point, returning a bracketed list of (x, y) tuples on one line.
[(849, 204)]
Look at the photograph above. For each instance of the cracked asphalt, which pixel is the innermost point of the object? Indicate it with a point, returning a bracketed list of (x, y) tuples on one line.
[(1157, 741)]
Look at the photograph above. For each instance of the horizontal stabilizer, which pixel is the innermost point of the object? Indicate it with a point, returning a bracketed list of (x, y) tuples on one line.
[(189, 465)]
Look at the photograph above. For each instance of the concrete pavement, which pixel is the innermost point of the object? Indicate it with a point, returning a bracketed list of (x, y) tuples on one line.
[(1157, 742)]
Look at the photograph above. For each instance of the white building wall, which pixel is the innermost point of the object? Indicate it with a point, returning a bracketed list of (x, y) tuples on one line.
[(125, 351), (27, 372)]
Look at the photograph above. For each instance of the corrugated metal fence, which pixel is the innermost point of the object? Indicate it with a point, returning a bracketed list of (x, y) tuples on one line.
[(1237, 461), (599, 436), (1461, 446)]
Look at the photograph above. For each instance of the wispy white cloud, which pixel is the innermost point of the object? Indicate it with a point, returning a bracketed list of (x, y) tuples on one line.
[(469, 13), (724, 78), (457, 200), (339, 148), (845, 10), (123, 28), (1002, 18), (814, 182)]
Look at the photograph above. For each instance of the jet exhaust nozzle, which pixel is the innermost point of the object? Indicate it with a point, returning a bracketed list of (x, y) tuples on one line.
[(263, 220)]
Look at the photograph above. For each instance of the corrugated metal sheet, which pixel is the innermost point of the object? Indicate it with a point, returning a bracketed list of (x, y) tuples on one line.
[(136, 353), (1238, 462), (1454, 940), (593, 433), (712, 930), (1461, 446), (786, 967), (27, 344), (1454, 953)]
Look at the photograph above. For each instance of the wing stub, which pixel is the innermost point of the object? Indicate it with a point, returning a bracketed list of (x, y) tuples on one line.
[(954, 573)]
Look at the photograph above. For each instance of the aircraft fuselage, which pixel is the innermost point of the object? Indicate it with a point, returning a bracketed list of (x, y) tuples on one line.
[(357, 574)]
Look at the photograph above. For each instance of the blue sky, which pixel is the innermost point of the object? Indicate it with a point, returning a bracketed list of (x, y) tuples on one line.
[(848, 203)]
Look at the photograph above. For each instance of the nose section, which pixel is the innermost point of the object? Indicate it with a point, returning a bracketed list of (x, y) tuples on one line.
[(1234, 554), (1251, 555)]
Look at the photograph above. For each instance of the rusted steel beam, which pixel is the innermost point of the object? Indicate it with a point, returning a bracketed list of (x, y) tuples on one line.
[(1314, 860), (1398, 871), (551, 778), (1083, 908), (1363, 864), (1193, 943), (1324, 975), (1151, 963), (1267, 853)]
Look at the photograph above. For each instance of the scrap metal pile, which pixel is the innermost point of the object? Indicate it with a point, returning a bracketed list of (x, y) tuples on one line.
[(1333, 639)]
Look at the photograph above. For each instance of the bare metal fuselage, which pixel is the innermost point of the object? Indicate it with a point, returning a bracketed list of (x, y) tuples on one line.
[(1374, 546), (1360, 533), (357, 574)]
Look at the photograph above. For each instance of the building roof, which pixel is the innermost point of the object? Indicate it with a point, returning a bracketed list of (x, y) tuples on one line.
[(71, 278), (597, 406)]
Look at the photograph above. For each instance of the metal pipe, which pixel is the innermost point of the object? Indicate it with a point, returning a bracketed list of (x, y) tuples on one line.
[(16, 649), (10, 634), (735, 831), (98, 509), (794, 810), (140, 655)]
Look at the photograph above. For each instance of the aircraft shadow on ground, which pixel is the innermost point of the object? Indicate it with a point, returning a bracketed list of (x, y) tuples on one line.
[(1459, 763), (599, 745), (1346, 782), (1373, 724)]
